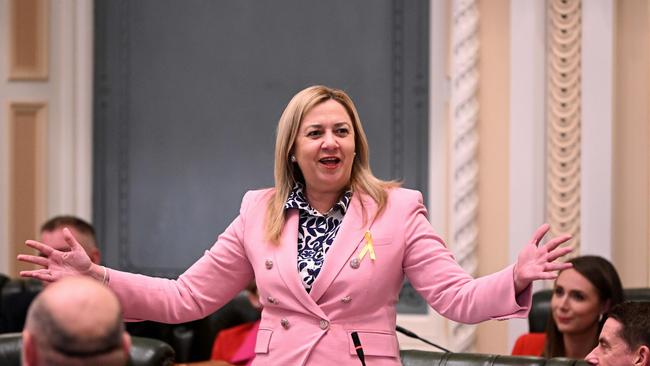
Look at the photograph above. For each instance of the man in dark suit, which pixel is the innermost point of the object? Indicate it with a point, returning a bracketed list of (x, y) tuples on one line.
[(18, 294)]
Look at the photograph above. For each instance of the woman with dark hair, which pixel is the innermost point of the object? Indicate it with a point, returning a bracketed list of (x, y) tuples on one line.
[(581, 295)]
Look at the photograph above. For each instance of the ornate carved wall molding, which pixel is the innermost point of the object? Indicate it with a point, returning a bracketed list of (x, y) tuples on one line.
[(563, 117), (463, 150)]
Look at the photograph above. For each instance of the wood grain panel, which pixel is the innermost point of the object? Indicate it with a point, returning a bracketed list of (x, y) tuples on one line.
[(493, 154), (27, 172), (647, 121), (28, 40), (631, 163)]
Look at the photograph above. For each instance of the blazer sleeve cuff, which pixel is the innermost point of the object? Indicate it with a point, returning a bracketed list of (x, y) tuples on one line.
[(521, 302)]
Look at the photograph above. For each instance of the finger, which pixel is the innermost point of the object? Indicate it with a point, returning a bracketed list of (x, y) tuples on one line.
[(548, 276), (555, 242), (559, 252), (39, 274), (539, 233), (34, 259), (45, 249), (70, 239), (557, 266)]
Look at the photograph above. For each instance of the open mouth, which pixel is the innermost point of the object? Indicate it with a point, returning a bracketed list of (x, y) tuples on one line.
[(330, 161)]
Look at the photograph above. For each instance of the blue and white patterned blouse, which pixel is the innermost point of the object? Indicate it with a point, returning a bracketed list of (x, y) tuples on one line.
[(316, 232)]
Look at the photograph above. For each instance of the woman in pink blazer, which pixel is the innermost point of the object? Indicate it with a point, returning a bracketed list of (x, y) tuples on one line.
[(329, 247)]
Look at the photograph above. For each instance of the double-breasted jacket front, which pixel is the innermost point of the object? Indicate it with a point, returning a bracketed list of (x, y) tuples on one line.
[(350, 293)]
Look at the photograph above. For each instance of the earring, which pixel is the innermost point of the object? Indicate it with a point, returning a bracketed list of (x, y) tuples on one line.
[(293, 158)]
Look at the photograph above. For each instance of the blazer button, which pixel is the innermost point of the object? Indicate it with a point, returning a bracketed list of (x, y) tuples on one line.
[(346, 300), (324, 324), (285, 323), (272, 300), (355, 263), (268, 264)]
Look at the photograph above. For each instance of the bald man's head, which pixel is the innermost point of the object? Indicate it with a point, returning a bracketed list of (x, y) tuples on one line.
[(75, 321)]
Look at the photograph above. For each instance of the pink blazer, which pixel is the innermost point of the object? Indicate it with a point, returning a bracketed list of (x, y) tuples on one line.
[(300, 328)]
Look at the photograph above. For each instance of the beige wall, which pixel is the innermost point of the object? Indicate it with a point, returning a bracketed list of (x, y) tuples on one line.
[(493, 155), (631, 248), (46, 108)]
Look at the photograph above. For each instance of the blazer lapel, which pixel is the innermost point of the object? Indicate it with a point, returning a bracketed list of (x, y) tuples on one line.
[(286, 256), (350, 235)]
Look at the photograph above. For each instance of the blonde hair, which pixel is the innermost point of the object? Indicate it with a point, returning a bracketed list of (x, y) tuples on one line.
[(287, 174)]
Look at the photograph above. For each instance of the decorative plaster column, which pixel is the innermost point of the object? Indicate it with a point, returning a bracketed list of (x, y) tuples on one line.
[(563, 118)]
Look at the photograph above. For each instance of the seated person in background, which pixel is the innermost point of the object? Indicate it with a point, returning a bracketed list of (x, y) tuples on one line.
[(14, 307), (236, 345), (625, 338), (52, 235), (76, 321), (581, 296)]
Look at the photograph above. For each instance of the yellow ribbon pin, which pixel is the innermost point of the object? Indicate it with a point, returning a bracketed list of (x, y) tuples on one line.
[(368, 248)]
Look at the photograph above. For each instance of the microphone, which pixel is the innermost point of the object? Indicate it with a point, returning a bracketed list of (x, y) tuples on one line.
[(408, 333), (358, 348)]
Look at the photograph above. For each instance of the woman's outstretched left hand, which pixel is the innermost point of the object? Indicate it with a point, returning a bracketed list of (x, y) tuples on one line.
[(537, 262)]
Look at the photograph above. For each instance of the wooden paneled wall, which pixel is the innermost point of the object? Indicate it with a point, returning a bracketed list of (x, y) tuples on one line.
[(631, 234), (28, 47), (27, 133), (26, 125)]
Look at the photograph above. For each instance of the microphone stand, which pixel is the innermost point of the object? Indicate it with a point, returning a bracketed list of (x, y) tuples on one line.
[(408, 333)]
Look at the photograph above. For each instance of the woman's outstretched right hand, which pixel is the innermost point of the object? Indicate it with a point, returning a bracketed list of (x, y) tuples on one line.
[(59, 264)]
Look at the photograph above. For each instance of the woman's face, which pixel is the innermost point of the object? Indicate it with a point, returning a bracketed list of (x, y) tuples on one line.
[(575, 304), (324, 148)]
